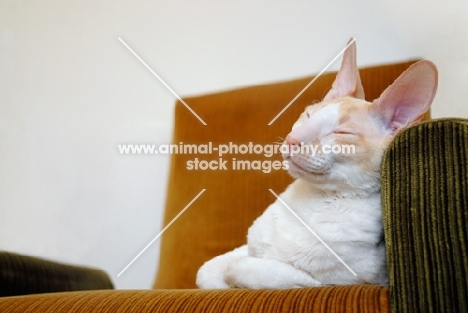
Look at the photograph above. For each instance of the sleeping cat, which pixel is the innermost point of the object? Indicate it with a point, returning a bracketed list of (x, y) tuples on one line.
[(336, 195)]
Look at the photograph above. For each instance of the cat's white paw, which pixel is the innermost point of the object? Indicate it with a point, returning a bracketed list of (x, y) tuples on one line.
[(210, 278), (211, 274), (257, 273)]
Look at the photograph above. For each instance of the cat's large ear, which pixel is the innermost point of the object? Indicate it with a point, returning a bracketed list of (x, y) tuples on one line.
[(347, 81), (405, 101)]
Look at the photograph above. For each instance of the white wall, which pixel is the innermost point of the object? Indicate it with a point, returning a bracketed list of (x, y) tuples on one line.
[(70, 92)]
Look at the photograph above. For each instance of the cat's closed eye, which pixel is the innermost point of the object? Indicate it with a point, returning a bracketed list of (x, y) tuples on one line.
[(343, 133), (346, 132)]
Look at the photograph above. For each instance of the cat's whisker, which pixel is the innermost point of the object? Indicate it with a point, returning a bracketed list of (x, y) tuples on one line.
[(280, 142)]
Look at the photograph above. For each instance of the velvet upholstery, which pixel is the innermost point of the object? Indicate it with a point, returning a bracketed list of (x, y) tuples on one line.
[(22, 275)]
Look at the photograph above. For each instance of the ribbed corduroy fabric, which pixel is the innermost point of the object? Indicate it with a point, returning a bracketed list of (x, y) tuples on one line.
[(22, 275), (361, 299), (425, 201)]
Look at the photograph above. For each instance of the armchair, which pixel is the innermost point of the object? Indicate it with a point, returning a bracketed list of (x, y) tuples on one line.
[(424, 193)]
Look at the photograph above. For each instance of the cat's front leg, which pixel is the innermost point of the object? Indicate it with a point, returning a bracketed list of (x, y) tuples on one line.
[(211, 274), (257, 273)]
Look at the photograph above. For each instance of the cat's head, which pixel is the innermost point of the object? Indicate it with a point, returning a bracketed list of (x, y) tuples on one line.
[(349, 134)]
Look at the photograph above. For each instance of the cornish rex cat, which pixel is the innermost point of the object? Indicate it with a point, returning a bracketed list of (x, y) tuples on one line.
[(336, 194)]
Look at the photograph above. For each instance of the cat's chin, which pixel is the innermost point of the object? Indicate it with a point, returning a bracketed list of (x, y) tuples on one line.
[(298, 171)]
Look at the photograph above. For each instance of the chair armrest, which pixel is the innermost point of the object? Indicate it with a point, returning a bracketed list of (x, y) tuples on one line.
[(425, 208), (368, 298), (21, 275)]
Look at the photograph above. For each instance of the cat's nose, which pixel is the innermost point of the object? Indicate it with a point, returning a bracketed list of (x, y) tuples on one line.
[(293, 145), (292, 141)]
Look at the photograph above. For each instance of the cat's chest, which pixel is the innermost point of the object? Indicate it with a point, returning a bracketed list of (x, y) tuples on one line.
[(334, 218), (323, 207)]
